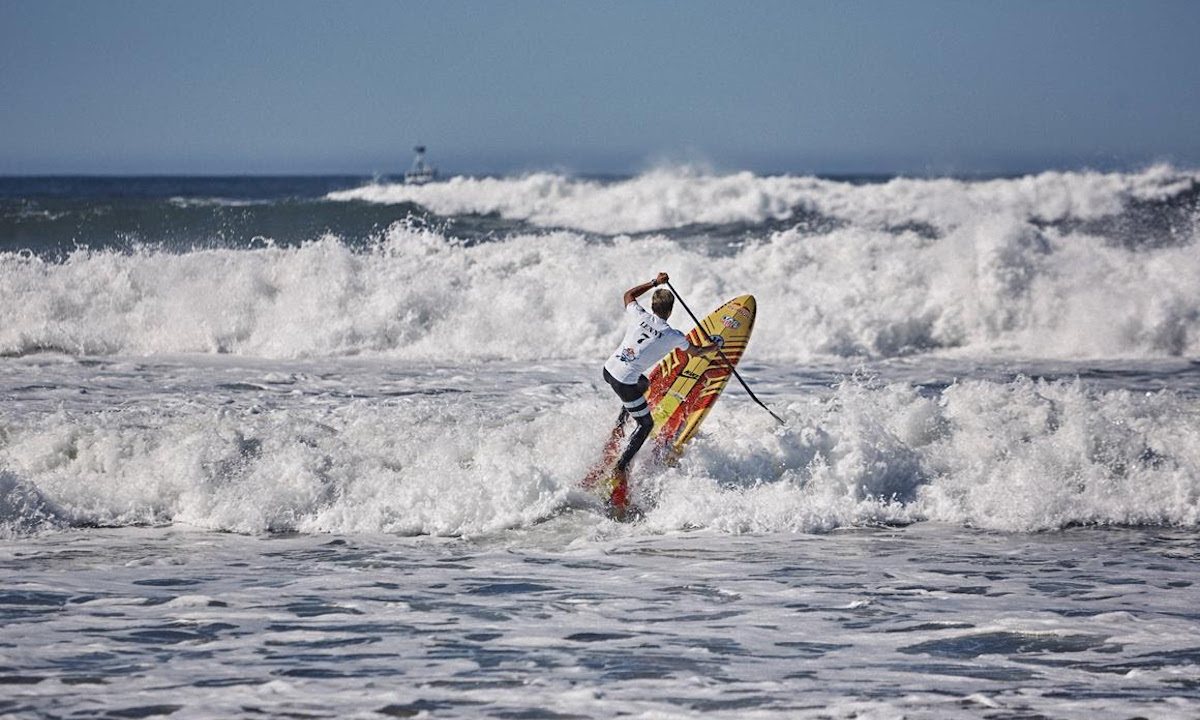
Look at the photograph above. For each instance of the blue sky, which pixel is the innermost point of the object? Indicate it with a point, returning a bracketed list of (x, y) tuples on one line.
[(168, 86)]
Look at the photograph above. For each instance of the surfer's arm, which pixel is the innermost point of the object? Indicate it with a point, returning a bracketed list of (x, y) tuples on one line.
[(701, 350), (637, 291), (705, 350)]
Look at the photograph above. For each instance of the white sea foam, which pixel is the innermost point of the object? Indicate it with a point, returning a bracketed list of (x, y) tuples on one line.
[(677, 197), (445, 388), (994, 285), (1015, 456)]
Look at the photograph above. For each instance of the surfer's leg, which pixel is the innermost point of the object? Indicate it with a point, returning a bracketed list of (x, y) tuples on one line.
[(615, 437), (644, 425), (618, 431), (639, 409), (633, 400)]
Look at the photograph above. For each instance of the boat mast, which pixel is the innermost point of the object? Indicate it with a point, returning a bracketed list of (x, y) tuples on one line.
[(418, 165)]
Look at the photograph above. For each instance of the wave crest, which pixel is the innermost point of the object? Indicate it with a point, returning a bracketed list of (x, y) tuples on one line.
[(670, 198), (992, 286)]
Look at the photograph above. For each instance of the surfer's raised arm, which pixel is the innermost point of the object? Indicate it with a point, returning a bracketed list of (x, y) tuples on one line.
[(633, 293)]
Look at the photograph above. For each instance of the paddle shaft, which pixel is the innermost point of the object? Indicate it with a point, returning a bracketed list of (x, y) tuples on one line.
[(722, 354)]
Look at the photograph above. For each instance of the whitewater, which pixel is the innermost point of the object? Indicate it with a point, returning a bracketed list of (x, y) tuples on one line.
[(311, 446)]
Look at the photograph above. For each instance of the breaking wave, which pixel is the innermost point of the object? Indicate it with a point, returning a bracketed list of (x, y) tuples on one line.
[(990, 285), (680, 197), (1017, 456)]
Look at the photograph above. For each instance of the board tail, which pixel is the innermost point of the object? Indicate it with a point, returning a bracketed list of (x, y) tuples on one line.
[(602, 470), (611, 484), (618, 496)]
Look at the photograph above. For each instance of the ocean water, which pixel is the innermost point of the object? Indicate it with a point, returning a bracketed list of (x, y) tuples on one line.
[(310, 447)]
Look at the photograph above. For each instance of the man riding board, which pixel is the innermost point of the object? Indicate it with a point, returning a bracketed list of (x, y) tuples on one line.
[(648, 339)]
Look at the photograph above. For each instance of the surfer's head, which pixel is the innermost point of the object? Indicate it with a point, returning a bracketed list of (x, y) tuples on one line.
[(662, 303)]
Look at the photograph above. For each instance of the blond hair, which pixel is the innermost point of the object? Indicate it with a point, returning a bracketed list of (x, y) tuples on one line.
[(662, 303)]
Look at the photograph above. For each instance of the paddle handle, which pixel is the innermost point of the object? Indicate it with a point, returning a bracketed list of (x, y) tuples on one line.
[(736, 374)]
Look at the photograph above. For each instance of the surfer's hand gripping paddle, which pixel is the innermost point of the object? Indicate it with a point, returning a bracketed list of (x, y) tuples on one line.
[(722, 355)]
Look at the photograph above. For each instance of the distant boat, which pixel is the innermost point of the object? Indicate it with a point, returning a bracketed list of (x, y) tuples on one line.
[(420, 172)]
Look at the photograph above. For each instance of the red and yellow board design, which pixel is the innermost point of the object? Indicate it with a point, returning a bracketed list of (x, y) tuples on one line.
[(683, 389)]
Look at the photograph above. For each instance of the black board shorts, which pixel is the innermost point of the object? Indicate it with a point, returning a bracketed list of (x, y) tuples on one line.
[(628, 393)]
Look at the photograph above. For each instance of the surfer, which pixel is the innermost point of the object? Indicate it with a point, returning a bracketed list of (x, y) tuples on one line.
[(648, 339)]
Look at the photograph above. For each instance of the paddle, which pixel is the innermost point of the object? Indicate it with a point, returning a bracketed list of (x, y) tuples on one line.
[(722, 354)]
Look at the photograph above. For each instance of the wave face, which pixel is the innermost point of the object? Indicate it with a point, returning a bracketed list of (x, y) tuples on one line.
[(1049, 266), (1017, 456)]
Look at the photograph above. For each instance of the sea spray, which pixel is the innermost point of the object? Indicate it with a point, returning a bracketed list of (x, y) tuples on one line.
[(668, 198), (997, 285), (1017, 456)]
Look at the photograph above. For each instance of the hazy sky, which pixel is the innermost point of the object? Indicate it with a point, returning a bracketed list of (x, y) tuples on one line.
[(260, 86)]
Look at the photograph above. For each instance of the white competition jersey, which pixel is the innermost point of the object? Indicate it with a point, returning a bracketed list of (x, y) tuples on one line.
[(647, 340)]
